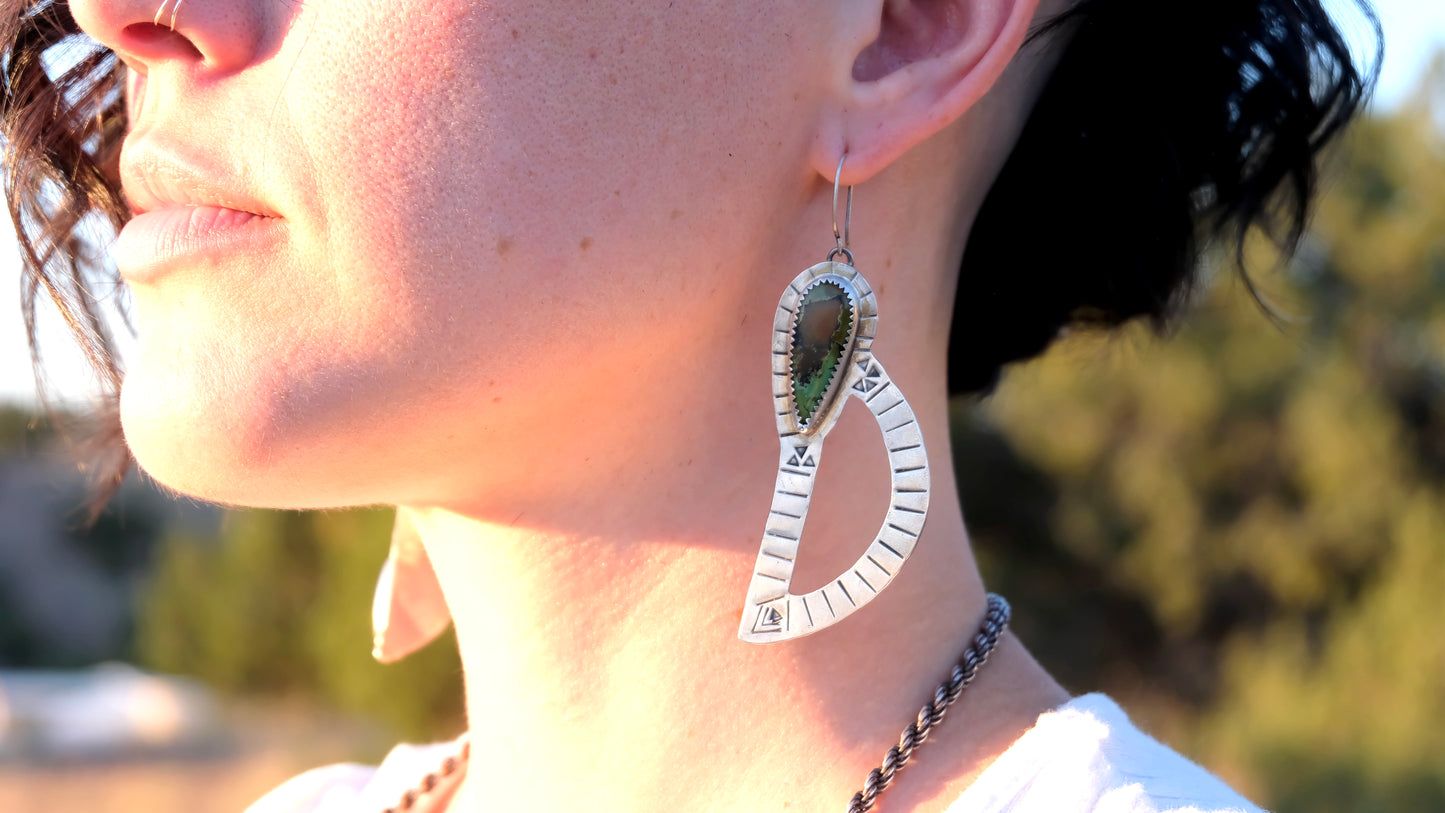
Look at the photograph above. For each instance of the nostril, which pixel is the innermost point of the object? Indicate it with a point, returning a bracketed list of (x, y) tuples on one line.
[(150, 40)]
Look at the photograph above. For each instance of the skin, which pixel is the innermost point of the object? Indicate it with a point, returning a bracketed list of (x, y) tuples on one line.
[(518, 280)]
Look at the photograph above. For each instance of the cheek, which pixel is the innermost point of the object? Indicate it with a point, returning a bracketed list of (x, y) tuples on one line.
[(488, 182)]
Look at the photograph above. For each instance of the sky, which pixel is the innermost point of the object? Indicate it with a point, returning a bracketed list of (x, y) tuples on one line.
[(1414, 29)]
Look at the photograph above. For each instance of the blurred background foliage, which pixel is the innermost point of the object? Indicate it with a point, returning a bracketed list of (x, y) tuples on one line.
[(279, 605), (1239, 532)]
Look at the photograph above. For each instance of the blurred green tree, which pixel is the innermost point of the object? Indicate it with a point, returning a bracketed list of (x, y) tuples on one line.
[(280, 605)]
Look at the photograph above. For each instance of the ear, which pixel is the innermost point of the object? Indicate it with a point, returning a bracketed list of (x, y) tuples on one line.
[(926, 63)]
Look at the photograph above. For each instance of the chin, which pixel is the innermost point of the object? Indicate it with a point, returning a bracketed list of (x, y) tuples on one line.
[(221, 444)]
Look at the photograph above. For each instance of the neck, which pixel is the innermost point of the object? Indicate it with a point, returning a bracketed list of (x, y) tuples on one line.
[(603, 669)]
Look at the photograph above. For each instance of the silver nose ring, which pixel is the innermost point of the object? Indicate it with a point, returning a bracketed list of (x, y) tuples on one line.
[(161, 12)]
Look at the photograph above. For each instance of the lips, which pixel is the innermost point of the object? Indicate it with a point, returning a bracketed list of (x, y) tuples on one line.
[(155, 242), (186, 211), (157, 176)]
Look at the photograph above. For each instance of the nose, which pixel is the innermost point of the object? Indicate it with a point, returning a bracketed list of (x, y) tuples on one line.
[(215, 35)]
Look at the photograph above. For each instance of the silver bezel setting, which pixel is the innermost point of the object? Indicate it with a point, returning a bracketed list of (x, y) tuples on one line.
[(861, 333), (826, 413)]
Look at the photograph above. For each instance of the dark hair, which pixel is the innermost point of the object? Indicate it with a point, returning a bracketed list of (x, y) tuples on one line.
[(62, 118), (1163, 124)]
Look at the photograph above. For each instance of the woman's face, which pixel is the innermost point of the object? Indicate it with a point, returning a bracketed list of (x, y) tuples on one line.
[(479, 216)]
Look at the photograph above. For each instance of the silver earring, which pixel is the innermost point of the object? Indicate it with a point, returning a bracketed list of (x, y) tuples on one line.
[(823, 355), (408, 610)]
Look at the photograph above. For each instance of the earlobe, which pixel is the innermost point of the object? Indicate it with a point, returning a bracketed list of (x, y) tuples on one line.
[(930, 63), (409, 610)]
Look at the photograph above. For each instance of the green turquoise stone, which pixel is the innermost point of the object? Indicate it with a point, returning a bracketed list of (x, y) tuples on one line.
[(820, 338)]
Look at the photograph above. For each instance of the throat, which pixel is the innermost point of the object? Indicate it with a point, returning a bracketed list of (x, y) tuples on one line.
[(615, 669), (599, 639)]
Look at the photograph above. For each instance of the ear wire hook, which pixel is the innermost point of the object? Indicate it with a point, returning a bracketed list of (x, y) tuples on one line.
[(841, 238)]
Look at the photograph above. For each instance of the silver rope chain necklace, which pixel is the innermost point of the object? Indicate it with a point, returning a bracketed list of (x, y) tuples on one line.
[(995, 621)]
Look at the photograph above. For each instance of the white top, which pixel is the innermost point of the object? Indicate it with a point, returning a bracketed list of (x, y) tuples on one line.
[(352, 788), (1083, 757), (1086, 757)]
